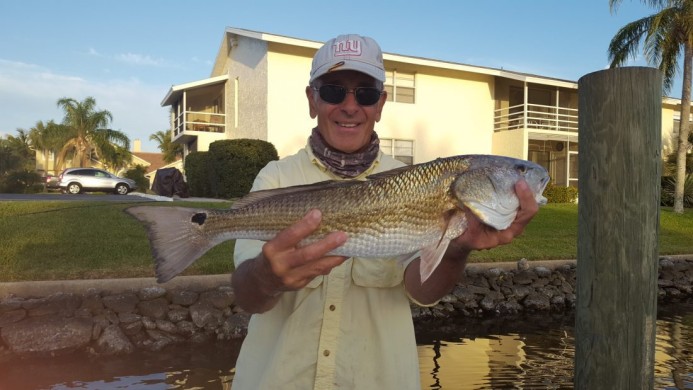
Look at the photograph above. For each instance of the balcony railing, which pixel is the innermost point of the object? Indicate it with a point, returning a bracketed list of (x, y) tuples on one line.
[(199, 121), (536, 116)]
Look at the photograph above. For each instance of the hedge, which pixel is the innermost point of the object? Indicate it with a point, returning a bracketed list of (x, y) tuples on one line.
[(137, 174), (560, 194), (229, 168), (198, 175)]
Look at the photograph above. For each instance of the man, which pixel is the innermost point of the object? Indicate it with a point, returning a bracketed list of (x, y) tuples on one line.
[(327, 321)]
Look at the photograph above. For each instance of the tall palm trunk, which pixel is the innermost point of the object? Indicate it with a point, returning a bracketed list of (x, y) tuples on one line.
[(684, 127)]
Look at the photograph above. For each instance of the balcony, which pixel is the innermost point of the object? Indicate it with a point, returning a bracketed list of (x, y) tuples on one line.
[(198, 111), (198, 121), (536, 117)]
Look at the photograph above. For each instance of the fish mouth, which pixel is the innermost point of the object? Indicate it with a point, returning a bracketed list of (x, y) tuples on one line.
[(542, 201)]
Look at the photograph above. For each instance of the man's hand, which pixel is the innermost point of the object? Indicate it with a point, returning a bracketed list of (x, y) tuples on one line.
[(478, 236), (283, 266)]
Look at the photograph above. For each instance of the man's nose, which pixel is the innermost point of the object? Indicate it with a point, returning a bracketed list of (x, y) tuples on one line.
[(350, 105)]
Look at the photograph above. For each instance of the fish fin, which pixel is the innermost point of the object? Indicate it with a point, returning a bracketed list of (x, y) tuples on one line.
[(397, 171), (430, 258), (258, 196), (401, 259), (176, 237), (389, 173), (456, 224)]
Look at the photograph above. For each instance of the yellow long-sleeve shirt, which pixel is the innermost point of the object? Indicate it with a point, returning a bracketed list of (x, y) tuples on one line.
[(351, 329)]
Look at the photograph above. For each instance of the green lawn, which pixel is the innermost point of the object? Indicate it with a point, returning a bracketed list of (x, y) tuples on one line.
[(53, 240)]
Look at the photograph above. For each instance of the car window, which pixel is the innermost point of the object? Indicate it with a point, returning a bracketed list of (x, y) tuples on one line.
[(101, 174), (83, 172)]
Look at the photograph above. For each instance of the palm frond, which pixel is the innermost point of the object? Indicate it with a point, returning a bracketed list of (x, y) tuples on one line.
[(625, 44)]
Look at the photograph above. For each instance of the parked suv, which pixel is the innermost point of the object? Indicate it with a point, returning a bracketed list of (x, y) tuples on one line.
[(76, 180), (51, 182)]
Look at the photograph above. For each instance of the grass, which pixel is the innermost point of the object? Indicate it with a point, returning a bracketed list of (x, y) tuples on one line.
[(54, 240), (552, 235)]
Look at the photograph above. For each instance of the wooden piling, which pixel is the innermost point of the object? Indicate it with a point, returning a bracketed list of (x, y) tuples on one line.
[(619, 134)]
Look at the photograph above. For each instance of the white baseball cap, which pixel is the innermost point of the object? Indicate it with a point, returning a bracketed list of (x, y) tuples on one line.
[(349, 52)]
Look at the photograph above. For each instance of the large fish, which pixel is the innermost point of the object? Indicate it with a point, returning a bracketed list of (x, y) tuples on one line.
[(391, 214)]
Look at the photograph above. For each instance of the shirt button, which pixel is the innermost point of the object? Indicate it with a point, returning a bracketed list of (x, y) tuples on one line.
[(332, 307), (326, 352)]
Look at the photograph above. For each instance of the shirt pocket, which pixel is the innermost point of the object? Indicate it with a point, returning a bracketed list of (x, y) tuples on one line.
[(382, 273)]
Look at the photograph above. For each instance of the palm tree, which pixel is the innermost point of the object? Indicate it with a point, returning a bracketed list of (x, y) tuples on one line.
[(47, 138), (20, 147), (170, 150), (115, 158), (88, 135), (666, 34)]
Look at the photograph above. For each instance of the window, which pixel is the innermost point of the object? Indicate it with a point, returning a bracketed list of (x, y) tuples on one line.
[(399, 86), (400, 149)]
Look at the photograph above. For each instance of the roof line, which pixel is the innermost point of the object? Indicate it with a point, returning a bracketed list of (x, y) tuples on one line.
[(192, 84), (412, 59)]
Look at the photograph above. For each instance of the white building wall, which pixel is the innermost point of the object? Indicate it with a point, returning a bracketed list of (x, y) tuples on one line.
[(510, 143), (289, 124), (451, 116), (248, 76), (204, 139), (669, 139)]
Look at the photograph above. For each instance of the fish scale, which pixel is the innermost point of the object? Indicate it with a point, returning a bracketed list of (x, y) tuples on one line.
[(391, 214)]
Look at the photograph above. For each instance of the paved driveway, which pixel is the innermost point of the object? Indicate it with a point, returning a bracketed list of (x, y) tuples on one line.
[(101, 197), (84, 197)]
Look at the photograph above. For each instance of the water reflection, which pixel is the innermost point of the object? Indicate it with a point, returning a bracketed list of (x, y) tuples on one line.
[(208, 366), (537, 352), (674, 349), (531, 352)]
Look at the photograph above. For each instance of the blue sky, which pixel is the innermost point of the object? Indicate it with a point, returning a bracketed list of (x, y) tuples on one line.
[(127, 53)]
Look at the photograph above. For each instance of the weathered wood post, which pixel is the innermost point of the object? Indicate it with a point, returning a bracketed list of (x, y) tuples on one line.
[(618, 227)]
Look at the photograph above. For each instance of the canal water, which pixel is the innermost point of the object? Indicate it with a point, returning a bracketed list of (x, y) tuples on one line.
[(528, 352)]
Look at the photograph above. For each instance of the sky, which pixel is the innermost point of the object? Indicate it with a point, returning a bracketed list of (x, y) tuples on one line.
[(128, 53)]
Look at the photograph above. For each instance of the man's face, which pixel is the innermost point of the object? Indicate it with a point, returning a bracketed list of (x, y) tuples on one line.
[(346, 126)]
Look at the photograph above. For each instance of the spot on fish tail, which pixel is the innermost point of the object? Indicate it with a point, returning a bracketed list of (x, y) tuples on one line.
[(199, 218)]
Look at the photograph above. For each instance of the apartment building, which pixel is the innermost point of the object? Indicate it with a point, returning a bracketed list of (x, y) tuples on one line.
[(435, 108)]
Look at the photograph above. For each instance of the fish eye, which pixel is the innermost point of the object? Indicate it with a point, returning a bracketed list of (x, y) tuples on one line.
[(522, 168)]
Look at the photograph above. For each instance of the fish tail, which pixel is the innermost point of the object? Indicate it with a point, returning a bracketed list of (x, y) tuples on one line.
[(176, 236)]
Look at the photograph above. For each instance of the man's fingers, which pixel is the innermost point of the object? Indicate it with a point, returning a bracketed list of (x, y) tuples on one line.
[(528, 204), (291, 236), (317, 250), (292, 266)]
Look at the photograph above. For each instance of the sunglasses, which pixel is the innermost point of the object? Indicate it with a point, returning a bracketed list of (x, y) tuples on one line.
[(335, 94)]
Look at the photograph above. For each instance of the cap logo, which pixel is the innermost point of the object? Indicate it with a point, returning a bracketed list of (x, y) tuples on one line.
[(349, 47)]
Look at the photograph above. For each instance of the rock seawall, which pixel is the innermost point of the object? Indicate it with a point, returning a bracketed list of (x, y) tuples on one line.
[(120, 316)]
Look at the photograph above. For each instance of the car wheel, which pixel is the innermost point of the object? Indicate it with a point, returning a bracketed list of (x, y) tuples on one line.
[(74, 188), (122, 189)]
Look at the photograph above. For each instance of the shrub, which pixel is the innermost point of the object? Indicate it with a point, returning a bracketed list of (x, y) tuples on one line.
[(236, 162), (669, 188), (21, 182), (560, 194), (198, 174), (137, 174)]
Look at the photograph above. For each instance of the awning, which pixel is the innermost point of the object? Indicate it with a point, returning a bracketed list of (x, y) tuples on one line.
[(176, 91)]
